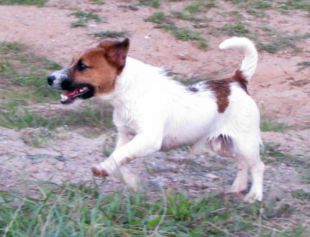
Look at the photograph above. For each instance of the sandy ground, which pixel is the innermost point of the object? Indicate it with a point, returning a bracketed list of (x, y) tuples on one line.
[(279, 87)]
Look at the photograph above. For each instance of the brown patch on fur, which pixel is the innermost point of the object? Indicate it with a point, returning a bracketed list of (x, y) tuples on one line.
[(241, 80), (104, 64), (221, 89)]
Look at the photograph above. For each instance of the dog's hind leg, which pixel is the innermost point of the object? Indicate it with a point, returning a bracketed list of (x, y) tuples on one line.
[(248, 150), (241, 181)]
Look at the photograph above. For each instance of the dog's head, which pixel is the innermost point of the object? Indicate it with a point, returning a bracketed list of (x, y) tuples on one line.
[(91, 73)]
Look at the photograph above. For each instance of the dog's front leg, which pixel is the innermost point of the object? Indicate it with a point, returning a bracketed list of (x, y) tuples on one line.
[(141, 145)]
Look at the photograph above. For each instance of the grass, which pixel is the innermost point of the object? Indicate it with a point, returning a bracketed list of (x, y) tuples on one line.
[(22, 72), (150, 3), (79, 210), (235, 29), (295, 4), (83, 18), (157, 18), (303, 65), (281, 42), (14, 115), (271, 126), (198, 6), (23, 2), (186, 34), (111, 34)]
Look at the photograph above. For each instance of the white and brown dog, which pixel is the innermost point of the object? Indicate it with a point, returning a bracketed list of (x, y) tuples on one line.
[(152, 112)]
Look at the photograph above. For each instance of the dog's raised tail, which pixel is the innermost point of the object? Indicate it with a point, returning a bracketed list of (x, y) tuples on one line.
[(249, 63)]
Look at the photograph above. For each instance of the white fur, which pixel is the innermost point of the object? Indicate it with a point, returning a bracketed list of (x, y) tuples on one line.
[(154, 112), (248, 65)]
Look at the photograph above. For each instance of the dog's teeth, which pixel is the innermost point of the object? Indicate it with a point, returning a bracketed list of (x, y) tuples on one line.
[(63, 97)]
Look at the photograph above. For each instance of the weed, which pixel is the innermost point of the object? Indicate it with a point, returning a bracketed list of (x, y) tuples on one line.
[(281, 42), (79, 210), (198, 6), (157, 17), (98, 2), (271, 126), (235, 29), (186, 34), (83, 18), (23, 2), (130, 7), (150, 3), (261, 5), (11, 47), (301, 194), (303, 65), (111, 34), (295, 4)]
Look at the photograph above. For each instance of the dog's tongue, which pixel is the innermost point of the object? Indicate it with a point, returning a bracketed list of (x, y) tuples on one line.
[(72, 93)]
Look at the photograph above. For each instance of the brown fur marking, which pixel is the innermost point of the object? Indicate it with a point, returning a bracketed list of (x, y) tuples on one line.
[(104, 64), (221, 88)]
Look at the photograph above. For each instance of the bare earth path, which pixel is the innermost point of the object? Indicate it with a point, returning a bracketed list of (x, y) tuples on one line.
[(280, 88)]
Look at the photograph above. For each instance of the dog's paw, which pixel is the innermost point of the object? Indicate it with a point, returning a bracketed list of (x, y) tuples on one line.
[(98, 171), (252, 197)]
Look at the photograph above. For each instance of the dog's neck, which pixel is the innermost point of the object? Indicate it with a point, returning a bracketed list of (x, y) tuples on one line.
[(128, 84)]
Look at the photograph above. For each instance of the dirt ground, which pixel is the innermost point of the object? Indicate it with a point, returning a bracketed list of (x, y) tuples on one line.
[(279, 86)]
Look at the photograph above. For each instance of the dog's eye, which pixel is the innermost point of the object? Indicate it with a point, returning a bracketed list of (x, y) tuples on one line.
[(81, 66)]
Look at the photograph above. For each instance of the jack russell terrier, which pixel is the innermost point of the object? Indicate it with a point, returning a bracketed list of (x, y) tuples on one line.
[(153, 112)]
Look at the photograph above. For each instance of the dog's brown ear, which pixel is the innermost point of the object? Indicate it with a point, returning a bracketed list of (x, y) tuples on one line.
[(116, 51)]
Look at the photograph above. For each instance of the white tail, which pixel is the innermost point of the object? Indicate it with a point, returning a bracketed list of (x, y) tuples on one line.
[(248, 65)]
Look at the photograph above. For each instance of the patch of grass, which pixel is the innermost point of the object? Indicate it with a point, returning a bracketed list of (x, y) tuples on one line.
[(271, 126), (281, 42), (23, 2), (150, 3), (262, 5), (295, 4), (15, 115), (98, 2), (11, 47), (303, 65), (157, 18), (186, 34), (301, 194), (198, 6), (131, 7), (23, 74), (111, 34), (236, 29), (79, 210), (83, 18)]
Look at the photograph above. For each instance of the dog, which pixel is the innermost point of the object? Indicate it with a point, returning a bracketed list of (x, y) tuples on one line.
[(152, 112)]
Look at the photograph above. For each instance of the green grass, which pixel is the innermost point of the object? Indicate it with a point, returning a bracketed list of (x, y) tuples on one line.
[(157, 18), (303, 65), (150, 3), (98, 2), (186, 34), (281, 42), (235, 29), (23, 74), (15, 115), (79, 210), (198, 6), (295, 4), (83, 18), (271, 126), (23, 2)]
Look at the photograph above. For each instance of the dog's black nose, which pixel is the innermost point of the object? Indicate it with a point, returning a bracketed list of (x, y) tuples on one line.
[(50, 80)]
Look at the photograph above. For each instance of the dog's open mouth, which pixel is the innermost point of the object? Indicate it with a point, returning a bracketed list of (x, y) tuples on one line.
[(69, 96)]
